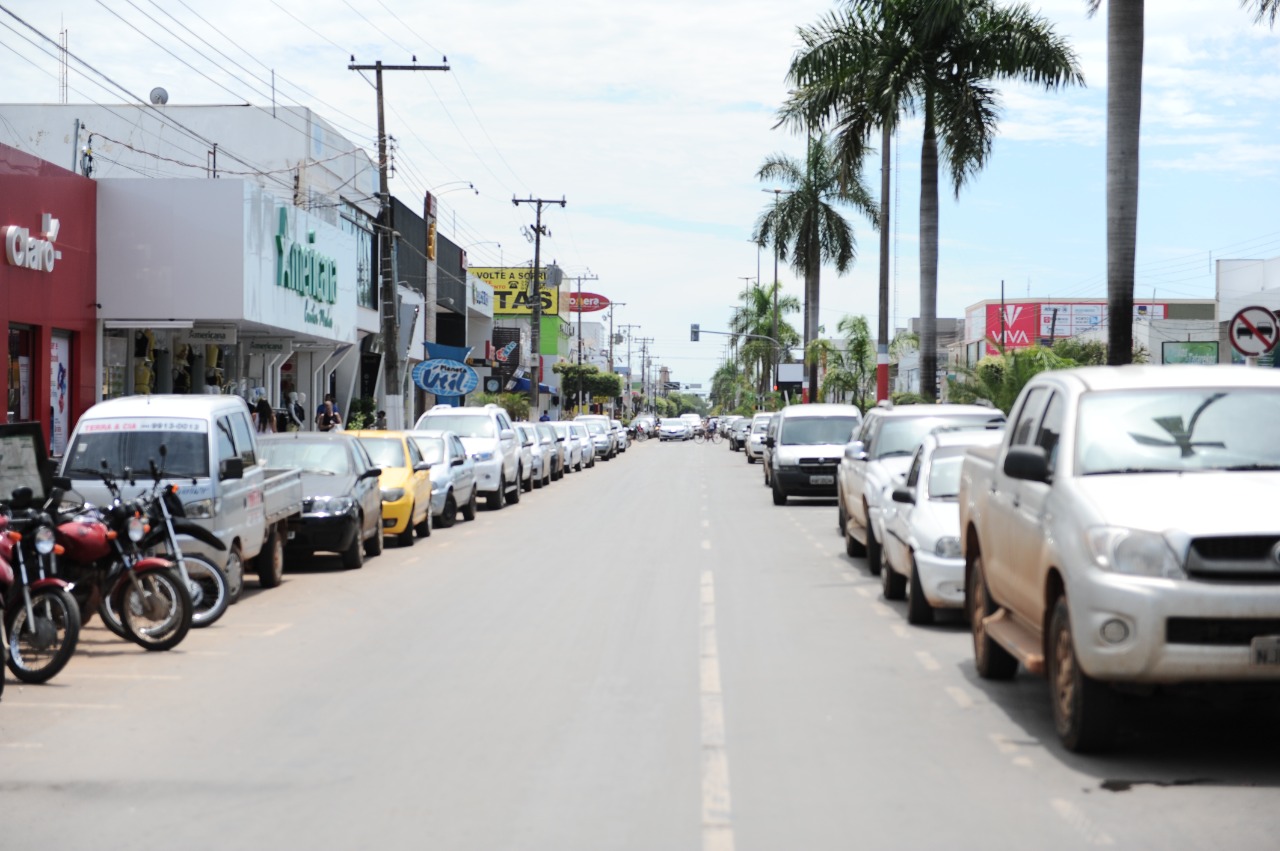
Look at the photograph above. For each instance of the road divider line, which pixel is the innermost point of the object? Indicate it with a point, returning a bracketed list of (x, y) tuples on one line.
[(276, 630), (883, 611), (717, 823), (1081, 823), (706, 545), (900, 630), (960, 697), (79, 676), (927, 661), (9, 704), (862, 592)]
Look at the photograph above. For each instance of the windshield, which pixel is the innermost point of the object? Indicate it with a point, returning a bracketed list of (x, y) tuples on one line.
[(385, 451), (1176, 431), (901, 436), (944, 475), (669, 423), (760, 426), (325, 458), (188, 453), (432, 449), (596, 427), (562, 430), (461, 424), (814, 431)]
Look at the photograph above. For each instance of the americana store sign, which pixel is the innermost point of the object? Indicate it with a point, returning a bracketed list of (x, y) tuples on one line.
[(511, 296)]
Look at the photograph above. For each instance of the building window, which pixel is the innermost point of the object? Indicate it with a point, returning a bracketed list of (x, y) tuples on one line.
[(355, 221), (20, 350)]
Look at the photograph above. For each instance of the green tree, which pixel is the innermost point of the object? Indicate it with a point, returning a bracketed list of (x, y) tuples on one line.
[(850, 373), (515, 404), (753, 321), (999, 379), (939, 57), (1082, 352), (804, 226)]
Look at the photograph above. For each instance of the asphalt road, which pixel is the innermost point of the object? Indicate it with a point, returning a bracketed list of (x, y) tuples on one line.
[(647, 655)]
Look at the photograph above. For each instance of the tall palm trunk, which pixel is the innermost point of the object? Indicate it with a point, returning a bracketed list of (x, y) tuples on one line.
[(882, 337), (811, 288), (1124, 118), (929, 255)]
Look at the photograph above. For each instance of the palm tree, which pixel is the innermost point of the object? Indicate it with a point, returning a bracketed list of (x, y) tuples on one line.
[(882, 57), (752, 327), (803, 223), (850, 362)]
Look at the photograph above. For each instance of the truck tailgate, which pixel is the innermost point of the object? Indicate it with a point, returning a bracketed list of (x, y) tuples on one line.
[(281, 494)]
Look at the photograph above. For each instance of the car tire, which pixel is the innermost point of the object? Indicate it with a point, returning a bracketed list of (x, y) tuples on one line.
[(892, 583), (450, 514), (779, 495), (514, 496), (750, 460), (527, 487), (991, 660), (235, 574), (405, 538), (353, 556), (469, 510), (373, 546), (875, 552), (919, 612), (852, 547), (1084, 709), (423, 529), (841, 519), (269, 565), (495, 501)]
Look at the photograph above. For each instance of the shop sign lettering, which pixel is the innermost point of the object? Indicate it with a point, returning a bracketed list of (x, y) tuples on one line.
[(445, 377), (31, 252), (306, 271)]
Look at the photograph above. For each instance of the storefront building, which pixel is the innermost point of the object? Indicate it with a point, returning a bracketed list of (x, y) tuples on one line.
[(49, 304), (217, 286)]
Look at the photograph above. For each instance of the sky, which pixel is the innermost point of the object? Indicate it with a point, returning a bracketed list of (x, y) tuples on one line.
[(652, 119)]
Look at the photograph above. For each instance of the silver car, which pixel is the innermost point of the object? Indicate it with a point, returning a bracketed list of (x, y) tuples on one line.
[(529, 458), (585, 443), (453, 475), (569, 444), (553, 453)]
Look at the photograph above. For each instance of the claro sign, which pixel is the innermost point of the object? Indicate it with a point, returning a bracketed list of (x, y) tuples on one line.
[(31, 252)]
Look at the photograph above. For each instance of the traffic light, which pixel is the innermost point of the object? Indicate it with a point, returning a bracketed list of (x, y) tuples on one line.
[(693, 332)]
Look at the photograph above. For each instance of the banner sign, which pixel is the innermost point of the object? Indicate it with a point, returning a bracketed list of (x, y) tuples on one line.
[(587, 302), (511, 296), (445, 378)]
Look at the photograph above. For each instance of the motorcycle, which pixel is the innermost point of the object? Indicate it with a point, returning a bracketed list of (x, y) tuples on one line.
[(140, 597), (41, 617)]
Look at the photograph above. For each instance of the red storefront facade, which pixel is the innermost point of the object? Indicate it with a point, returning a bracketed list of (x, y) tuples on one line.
[(48, 293)]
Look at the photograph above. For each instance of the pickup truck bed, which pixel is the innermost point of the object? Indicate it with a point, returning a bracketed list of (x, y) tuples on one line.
[(281, 494)]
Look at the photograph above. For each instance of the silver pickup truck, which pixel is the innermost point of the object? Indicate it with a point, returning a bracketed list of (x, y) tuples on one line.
[(1125, 533)]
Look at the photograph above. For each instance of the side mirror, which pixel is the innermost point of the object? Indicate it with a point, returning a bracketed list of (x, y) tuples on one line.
[(62, 482), (855, 451), (1028, 463), (232, 468), (371, 473), (769, 442), (421, 466), (507, 434), (457, 462), (905, 495)]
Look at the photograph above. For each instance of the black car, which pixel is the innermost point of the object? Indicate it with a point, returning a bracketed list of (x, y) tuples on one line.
[(342, 502)]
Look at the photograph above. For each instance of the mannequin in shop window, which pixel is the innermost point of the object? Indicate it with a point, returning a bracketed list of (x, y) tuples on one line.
[(297, 411)]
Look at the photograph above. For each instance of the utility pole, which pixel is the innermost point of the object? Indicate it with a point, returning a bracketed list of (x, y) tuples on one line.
[(393, 384), (580, 279), (535, 292), (612, 305), (630, 372)]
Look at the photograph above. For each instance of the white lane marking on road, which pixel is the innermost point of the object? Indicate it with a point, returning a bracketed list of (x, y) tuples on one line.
[(862, 592), (28, 746), (1081, 823), (820, 545), (717, 827), (1023, 762), (927, 661), (900, 630), (706, 545), (277, 629), (960, 697), (75, 675), (706, 524), (9, 704), (1003, 744), (882, 610)]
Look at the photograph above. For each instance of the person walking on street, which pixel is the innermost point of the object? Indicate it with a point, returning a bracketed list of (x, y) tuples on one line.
[(545, 418), (328, 419), (264, 418)]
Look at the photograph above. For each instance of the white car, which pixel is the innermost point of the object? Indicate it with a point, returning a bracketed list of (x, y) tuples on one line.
[(488, 435), (601, 430), (530, 456), (572, 446), (922, 556), (754, 445), (453, 475), (673, 429), (694, 421)]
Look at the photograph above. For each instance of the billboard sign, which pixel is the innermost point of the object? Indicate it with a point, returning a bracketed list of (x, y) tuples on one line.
[(511, 285), (587, 302), (1198, 351)]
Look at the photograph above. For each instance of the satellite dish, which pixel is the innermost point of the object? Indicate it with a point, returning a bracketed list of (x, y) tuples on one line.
[(159, 96)]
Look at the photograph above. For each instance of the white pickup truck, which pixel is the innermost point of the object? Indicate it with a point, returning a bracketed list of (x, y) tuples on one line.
[(1125, 533)]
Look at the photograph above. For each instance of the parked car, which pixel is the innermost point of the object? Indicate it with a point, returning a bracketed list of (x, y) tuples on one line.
[(1124, 534), (620, 438), (739, 431), (530, 454), (670, 428), (724, 424), (646, 423), (212, 456), (601, 437), (405, 483), (883, 451), (586, 443), (453, 475), (490, 439), (544, 452), (341, 497), (696, 426), (769, 442), (555, 447), (754, 444), (803, 448), (569, 444), (922, 557)]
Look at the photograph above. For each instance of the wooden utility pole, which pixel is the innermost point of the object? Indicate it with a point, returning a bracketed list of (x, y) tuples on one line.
[(393, 384), (535, 296)]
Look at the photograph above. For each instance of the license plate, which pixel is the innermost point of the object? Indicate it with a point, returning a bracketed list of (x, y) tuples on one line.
[(1265, 650), (822, 480)]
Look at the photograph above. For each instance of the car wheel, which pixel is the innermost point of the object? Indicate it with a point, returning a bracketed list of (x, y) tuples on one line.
[(750, 460), (269, 564), (450, 514), (1084, 709), (893, 583), (235, 574), (852, 546), (353, 556), (423, 529), (875, 554), (405, 538), (495, 501), (514, 496), (840, 517), (919, 612), (525, 486), (469, 510), (373, 546), (779, 495), (991, 660)]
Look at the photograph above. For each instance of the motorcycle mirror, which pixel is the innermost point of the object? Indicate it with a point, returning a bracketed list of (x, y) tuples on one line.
[(62, 482), (164, 450)]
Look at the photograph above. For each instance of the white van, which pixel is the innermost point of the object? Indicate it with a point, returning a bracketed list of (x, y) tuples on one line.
[(211, 454)]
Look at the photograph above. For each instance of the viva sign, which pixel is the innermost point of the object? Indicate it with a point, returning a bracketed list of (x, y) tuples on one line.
[(306, 271)]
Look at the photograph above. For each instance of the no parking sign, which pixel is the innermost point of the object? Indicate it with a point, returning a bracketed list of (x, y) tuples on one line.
[(1253, 331)]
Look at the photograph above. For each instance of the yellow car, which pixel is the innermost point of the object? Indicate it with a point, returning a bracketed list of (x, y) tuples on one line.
[(405, 483)]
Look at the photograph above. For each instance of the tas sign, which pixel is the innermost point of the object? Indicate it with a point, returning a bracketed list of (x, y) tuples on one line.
[(445, 377)]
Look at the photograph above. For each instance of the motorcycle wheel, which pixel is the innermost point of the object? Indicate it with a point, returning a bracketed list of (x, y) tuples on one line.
[(40, 648), (156, 613), (207, 586)]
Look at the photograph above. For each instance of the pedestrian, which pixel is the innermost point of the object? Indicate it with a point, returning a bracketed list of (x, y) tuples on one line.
[(264, 419), (328, 418), (380, 422), (545, 418)]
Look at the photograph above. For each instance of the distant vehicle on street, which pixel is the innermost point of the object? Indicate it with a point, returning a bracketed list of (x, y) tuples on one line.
[(803, 447), (671, 428)]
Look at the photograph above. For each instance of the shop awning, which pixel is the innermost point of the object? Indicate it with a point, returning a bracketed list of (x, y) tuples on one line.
[(522, 386)]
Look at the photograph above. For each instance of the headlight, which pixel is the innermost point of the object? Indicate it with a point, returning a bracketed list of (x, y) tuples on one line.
[(392, 494), (332, 504), (44, 540), (482, 456), (947, 547), (137, 529), (1133, 552), (201, 509)]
